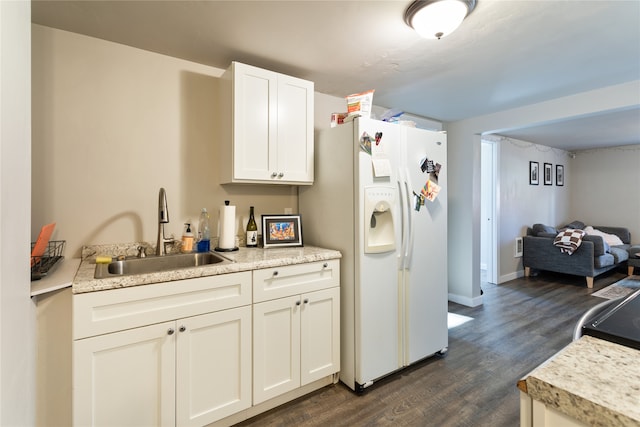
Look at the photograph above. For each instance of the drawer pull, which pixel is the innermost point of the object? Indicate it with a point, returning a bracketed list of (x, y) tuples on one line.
[(275, 273), (170, 331), (325, 265)]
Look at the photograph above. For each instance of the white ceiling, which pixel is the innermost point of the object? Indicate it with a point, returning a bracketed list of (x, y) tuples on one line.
[(506, 54)]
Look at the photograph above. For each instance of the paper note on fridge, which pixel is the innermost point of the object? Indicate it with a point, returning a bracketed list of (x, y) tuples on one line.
[(381, 166)]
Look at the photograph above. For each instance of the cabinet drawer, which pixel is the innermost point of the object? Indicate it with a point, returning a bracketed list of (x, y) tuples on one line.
[(101, 312), (278, 282)]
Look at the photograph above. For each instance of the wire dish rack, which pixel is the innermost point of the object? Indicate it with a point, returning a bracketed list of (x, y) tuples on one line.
[(43, 265)]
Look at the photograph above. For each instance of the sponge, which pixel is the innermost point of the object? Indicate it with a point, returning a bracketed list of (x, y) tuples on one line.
[(103, 259)]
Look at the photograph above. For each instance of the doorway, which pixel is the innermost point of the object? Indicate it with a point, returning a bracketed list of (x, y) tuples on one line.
[(488, 212)]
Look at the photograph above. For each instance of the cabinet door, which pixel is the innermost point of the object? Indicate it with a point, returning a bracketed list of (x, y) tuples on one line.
[(125, 378), (213, 366), (255, 116), (320, 334), (276, 347), (295, 130)]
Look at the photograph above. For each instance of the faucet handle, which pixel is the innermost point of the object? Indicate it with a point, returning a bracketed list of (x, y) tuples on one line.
[(142, 252)]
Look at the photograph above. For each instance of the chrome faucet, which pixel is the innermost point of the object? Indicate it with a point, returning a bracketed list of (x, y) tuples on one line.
[(163, 218)]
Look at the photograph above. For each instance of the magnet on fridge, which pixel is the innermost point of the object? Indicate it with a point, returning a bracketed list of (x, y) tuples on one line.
[(378, 137), (436, 171), (418, 200), (423, 164), (365, 143)]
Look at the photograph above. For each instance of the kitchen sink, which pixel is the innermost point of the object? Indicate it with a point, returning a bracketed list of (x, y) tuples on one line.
[(155, 264)]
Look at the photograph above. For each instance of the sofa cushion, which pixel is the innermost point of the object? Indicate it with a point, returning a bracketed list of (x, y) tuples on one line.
[(605, 260), (619, 254), (611, 239), (541, 228), (569, 240)]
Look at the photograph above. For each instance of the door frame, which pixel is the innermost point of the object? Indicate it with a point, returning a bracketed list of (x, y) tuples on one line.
[(491, 199)]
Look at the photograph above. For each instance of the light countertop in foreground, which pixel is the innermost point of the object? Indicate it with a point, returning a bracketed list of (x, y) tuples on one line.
[(591, 380), (243, 260)]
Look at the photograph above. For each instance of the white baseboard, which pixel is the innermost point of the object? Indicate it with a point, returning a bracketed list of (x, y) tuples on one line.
[(469, 302), (511, 276)]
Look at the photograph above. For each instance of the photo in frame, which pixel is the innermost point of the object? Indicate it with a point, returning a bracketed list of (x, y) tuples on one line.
[(560, 175), (281, 230), (548, 174), (534, 173)]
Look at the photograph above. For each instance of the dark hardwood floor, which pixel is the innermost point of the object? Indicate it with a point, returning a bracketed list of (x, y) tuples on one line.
[(520, 324)]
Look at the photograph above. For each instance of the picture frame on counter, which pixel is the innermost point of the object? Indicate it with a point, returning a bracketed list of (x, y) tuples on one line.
[(534, 173), (281, 230), (559, 175), (548, 174)]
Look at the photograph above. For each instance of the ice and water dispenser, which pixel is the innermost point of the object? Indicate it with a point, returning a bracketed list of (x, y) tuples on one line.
[(379, 230)]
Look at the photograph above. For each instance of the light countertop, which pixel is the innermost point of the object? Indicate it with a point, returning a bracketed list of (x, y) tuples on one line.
[(591, 380), (61, 277), (243, 260)]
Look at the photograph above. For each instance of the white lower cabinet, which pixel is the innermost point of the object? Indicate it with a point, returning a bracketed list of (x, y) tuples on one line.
[(296, 338), (190, 371), (125, 378), (212, 350), (534, 413)]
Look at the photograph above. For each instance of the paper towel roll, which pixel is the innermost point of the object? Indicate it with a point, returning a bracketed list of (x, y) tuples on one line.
[(227, 238)]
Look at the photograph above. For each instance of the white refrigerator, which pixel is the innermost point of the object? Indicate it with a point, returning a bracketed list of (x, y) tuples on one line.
[(380, 198)]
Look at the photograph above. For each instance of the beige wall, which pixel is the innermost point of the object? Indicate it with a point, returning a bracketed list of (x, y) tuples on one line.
[(112, 124), (605, 188)]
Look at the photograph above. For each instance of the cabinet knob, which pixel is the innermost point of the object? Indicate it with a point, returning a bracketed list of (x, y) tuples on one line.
[(182, 328), (280, 175), (275, 273), (170, 331), (306, 300), (325, 265), (273, 175), (298, 302)]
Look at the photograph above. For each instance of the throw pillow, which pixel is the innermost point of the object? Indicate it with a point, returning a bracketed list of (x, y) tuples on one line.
[(610, 239), (541, 228), (576, 225), (569, 240)]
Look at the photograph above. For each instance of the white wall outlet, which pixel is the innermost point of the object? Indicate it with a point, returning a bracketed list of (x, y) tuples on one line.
[(288, 211), (518, 248)]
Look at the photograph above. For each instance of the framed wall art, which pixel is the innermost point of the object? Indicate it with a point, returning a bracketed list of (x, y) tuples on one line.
[(534, 173), (548, 174), (281, 230), (560, 175)]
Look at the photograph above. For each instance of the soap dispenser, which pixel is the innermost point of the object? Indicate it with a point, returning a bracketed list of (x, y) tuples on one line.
[(187, 238)]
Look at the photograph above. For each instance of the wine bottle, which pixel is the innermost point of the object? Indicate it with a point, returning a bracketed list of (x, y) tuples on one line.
[(252, 230)]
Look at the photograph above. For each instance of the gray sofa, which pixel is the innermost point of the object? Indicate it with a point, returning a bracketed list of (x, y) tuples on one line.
[(593, 257)]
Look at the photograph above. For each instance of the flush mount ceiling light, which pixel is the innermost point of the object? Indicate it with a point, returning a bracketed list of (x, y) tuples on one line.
[(434, 19)]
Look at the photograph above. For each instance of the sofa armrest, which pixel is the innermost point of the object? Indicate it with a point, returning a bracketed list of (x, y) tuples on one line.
[(599, 246), (540, 254), (622, 232)]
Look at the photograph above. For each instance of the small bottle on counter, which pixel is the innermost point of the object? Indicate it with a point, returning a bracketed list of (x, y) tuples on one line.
[(252, 230), (204, 232), (187, 238)]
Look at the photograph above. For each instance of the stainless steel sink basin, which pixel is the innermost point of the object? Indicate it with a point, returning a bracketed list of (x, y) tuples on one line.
[(157, 264)]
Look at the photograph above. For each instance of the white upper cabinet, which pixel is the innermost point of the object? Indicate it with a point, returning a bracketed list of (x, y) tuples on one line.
[(267, 127)]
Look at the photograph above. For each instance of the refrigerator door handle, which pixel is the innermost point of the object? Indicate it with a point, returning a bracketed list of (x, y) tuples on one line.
[(409, 238), (403, 223)]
